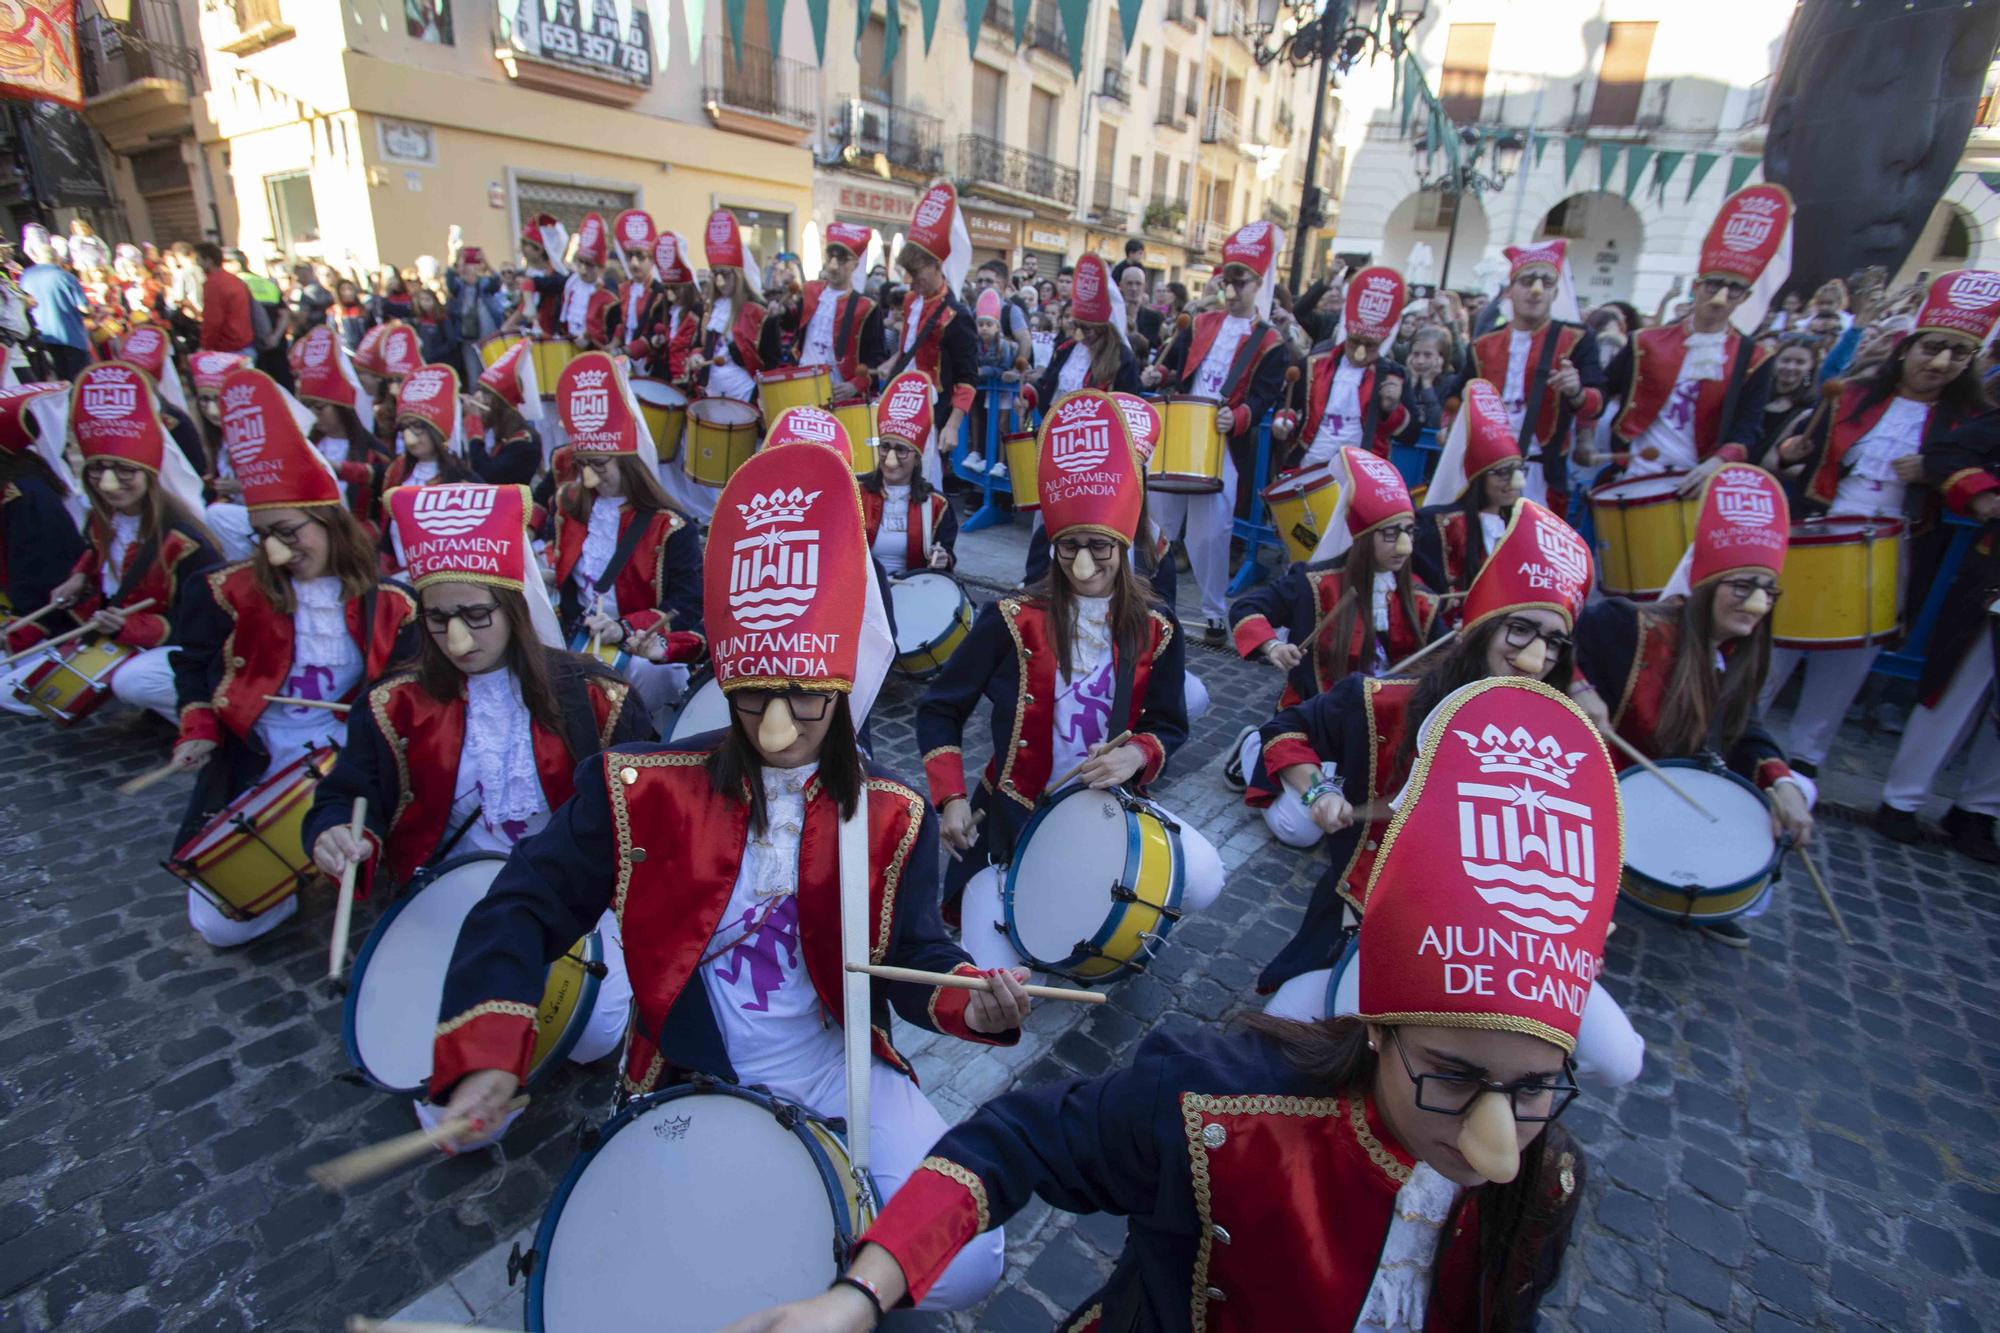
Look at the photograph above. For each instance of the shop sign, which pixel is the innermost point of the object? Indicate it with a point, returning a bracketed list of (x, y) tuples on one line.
[(994, 233), (891, 206), (600, 45), (1042, 238), (402, 141)]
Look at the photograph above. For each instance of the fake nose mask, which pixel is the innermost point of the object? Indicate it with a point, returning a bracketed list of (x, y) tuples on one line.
[(458, 640), (1487, 1138), (1532, 658), (777, 730), (1083, 568), (277, 553), (1757, 603), (590, 477), (1403, 544)]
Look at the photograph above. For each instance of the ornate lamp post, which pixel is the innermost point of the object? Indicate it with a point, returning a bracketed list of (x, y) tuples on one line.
[(1461, 174)]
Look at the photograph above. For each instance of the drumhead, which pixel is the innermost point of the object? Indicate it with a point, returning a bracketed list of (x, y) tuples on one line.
[(706, 709), (280, 786), (1844, 531), (1059, 889), (697, 1207), (1639, 490), (1302, 482), (925, 603), (1668, 840), (723, 412), (658, 393)]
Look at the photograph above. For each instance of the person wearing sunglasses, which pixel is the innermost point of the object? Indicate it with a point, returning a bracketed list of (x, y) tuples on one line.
[(910, 524), (1479, 478), (306, 617), (718, 853), (1098, 356), (1350, 394), (1401, 1165), (1677, 380), (1679, 678)]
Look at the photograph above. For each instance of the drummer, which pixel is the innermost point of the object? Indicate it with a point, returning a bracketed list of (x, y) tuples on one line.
[(148, 348), (836, 325), (1085, 671), (1367, 545), (431, 429), (39, 504), (627, 563), (937, 336), (1556, 382), (1352, 397), (672, 332), (329, 386), (1472, 493), (508, 451), (382, 363), (1862, 454), (306, 616), (543, 279), (143, 537), (711, 851), (589, 311), (1679, 677), (1232, 356), (633, 232), (470, 749), (1393, 1168), (1098, 357), (727, 356), (909, 524)]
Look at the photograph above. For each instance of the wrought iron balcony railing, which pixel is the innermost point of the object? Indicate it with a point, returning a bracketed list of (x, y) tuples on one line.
[(984, 161)]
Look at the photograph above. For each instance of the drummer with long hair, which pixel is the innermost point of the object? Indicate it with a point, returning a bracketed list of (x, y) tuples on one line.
[(144, 541), (1479, 478), (1085, 672), (40, 501), (716, 853), (910, 524), (1861, 451), (328, 385), (307, 616), (1397, 1167), (1351, 394), (430, 427), (1098, 356), (1355, 606), (1679, 677), (387, 355), (673, 322)]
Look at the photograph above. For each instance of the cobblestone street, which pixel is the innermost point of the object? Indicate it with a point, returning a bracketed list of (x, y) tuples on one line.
[(1813, 1144)]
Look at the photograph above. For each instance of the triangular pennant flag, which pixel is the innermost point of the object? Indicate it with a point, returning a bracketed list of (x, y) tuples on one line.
[(1664, 166), (975, 19), (1023, 11), (1075, 15), (860, 22), (1636, 159), (892, 36), (774, 18), (1740, 170), (1991, 180), (1541, 145), (732, 14), (1572, 151), (695, 16), (929, 10), (816, 11), (1703, 164), (1607, 159), (1129, 12)]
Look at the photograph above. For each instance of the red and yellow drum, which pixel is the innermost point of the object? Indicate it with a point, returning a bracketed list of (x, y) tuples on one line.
[(1301, 504), (1843, 584), (73, 680), (721, 436), (552, 357), (498, 346), (665, 409), (794, 386), (252, 856), (1188, 458), (1643, 528), (1023, 452), (858, 419)]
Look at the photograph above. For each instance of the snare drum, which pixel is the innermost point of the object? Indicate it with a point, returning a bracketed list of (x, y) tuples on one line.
[(73, 680), (498, 346), (721, 1200), (612, 655), (1095, 886), (252, 856), (1024, 460), (858, 419), (1679, 865), (1643, 529), (704, 709), (794, 386), (1188, 458), (1301, 504), (552, 357), (665, 409), (933, 616), (1843, 584), (722, 434), (389, 1019)]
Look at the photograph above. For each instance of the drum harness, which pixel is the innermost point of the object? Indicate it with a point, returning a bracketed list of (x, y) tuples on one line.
[(621, 556)]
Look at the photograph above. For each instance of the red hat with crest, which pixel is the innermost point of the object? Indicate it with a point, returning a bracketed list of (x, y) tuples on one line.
[(670, 261), (1964, 303), (16, 400), (596, 412), (112, 415), (513, 378), (1090, 291), (809, 425), (1538, 563), (1744, 523), (903, 412), (1489, 903), (430, 397), (1480, 439), (1372, 492), (209, 369), (849, 237), (931, 221), (785, 578), (634, 231), (466, 532), (320, 374), (543, 231), (1142, 424), (724, 240), (368, 352), (399, 352), (1551, 255), (1253, 245), (1088, 476), (1374, 304), (1750, 242), (591, 239), (268, 452)]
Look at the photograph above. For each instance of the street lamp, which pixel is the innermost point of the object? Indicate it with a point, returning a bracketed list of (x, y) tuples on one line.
[(1462, 175), (1321, 32)]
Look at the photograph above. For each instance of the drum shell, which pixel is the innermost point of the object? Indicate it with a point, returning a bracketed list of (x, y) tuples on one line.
[(794, 386), (665, 411), (702, 709), (928, 657), (1685, 901), (1023, 452), (552, 357), (1842, 583), (719, 439), (1188, 458), (1641, 538), (1143, 906), (245, 876), (858, 417), (1301, 505), (498, 346), (69, 687), (612, 655)]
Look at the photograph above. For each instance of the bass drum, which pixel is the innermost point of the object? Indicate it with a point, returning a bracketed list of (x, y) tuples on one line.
[(1095, 885), (704, 709), (665, 409)]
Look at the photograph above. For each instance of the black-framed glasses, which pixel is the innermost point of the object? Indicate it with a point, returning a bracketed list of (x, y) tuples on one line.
[(806, 705), (1533, 1100), (438, 621), (1549, 280), (1741, 589), (1960, 352), (1395, 531), (1728, 286), (1520, 633), (886, 447), (1238, 279), (288, 533), (1100, 548), (95, 469)]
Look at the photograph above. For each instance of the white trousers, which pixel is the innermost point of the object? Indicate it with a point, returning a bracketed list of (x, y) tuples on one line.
[(145, 680), (1933, 735), (1289, 821), (1609, 1053), (1208, 519), (230, 523), (1832, 680), (1195, 696), (1201, 883), (688, 495)]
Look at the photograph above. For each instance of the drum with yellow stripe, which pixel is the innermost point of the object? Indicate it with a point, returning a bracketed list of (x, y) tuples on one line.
[(1644, 525), (1301, 504), (1095, 886), (73, 679), (1188, 458), (794, 386), (498, 346), (1024, 461), (858, 418), (552, 358), (1686, 864), (612, 655), (665, 409), (1843, 584), (252, 856)]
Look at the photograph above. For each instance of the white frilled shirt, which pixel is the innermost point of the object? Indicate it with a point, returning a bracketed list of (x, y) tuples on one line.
[(326, 664), (496, 768), (1870, 488), (1085, 688), (124, 536), (726, 379), (1214, 372), (892, 539), (600, 543)]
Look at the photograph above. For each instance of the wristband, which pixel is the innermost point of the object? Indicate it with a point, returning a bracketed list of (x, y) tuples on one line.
[(866, 1288), (1320, 787)]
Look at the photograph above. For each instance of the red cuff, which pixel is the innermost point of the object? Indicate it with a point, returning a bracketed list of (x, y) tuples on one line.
[(684, 646), (1285, 751), (1592, 404), (1733, 453), (962, 396), (498, 1034), (143, 630), (944, 771), (1027, 397), (356, 473), (1252, 633), (947, 1010), (1156, 756), (930, 1218), (1961, 488), (199, 723), (1771, 771)]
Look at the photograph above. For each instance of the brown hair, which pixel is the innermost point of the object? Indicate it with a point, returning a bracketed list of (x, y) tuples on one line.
[(527, 657), (1107, 354), (640, 487), (350, 557), (1132, 600), (736, 768), (160, 511), (1358, 577), (1456, 667), (1701, 711)]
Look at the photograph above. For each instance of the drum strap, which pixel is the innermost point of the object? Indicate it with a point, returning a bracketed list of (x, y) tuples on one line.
[(903, 359), (572, 693), (438, 857), (1538, 384), (1738, 372), (135, 571), (1246, 356), (621, 556), (845, 329)]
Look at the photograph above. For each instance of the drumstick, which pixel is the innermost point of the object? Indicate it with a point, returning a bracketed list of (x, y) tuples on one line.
[(1109, 746), (597, 606), (297, 702), (1631, 752), (22, 622), (147, 779), (67, 635), (952, 981), (343, 911), (361, 1323), (1424, 651), (367, 1163), (1826, 899)]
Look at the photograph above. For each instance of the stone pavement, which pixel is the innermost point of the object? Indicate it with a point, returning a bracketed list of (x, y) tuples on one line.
[(1813, 1144)]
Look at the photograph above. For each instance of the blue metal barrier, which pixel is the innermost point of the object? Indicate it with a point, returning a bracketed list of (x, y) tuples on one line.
[(1000, 399), (1907, 662), (1257, 531), (1414, 461)]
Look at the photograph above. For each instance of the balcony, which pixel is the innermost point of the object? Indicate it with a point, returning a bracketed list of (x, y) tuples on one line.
[(911, 141), (1111, 206), (139, 78), (1115, 86), (1047, 35), (1164, 217), (1220, 126), (259, 23), (1183, 12), (991, 164), (1207, 237), (1170, 114), (1286, 121), (763, 96), (1232, 20)]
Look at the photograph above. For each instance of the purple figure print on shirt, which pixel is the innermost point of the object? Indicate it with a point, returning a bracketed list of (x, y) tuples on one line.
[(1083, 709), (1679, 408), (757, 952), (314, 682)]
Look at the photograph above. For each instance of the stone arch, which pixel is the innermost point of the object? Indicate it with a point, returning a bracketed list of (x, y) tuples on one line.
[(1605, 235), (1421, 219)]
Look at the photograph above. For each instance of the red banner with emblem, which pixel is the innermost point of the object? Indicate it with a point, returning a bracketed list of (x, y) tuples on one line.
[(38, 53)]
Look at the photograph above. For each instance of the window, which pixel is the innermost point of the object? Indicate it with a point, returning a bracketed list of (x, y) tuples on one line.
[(1159, 177), (1170, 77), (989, 102), (1569, 219), (1042, 122), (1182, 193), (1621, 78), (766, 231), (1145, 64), (1132, 178), (1257, 119), (428, 20), (876, 83), (294, 218), (1462, 85), (1954, 245), (567, 203)]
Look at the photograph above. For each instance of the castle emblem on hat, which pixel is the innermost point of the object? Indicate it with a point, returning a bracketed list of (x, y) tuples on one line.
[(1080, 439), (107, 397), (1565, 552), (452, 511), (1974, 289), (1379, 470), (589, 401), (1529, 852), (773, 574), (814, 423), (1744, 502)]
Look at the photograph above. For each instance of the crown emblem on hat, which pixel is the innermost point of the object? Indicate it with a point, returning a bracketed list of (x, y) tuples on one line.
[(589, 379), (635, 228), (1380, 471), (422, 387), (1522, 754), (779, 506), (238, 395), (931, 207), (1378, 296), (1565, 551), (719, 226)]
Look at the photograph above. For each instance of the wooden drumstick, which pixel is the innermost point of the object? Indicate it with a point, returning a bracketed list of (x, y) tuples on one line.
[(597, 606), (952, 981), (22, 622), (67, 635), (1826, 898), (367, 1163), (1109, 746), (1631, 752), (343, 911), (1422, 652), (148, 778), (332, 706)]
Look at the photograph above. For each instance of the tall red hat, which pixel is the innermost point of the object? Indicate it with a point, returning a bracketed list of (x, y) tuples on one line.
[(1964, 302), (1753, 225), (368, 352), (724, 240), (1372, 492), (931, 221), (1480, 439), (1375, 298), (670, 259), (591, 239), (596, 411), (513, 378), (809, 425), (399, 351), (634, 231), (1254, 245), (1090, 291), (267, 451), (543, 230), (903, 412), (1551, 255), (1142, 424), (319, 372), (785, 579), (15, 401), (1744, 523), (146, 347), (112, 415), (463, 533), (987, 306), (1489, 902), (430, 396), (209, 369), (849, 237), (1539, 563), (1088, 476)]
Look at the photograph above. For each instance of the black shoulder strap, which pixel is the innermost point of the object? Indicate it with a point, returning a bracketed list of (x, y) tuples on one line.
[(1538, 384), (844, 333), (572, 690), (367, 629), (1738, 372), (628, 542), (1121, 695), (1246, 356), (135, 571), (903, 358)]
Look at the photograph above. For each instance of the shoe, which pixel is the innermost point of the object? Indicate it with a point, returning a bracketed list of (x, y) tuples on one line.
[(1215, 634), (1804, 767), (1898, 825), (1727, 932), (998, 472), (1232, 767), (973, 463), (1889, 719), (1971, 834)]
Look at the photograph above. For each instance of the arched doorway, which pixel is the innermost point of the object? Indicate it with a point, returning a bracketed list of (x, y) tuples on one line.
[(1604, 234), (1425, 218), (1950, 239)]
